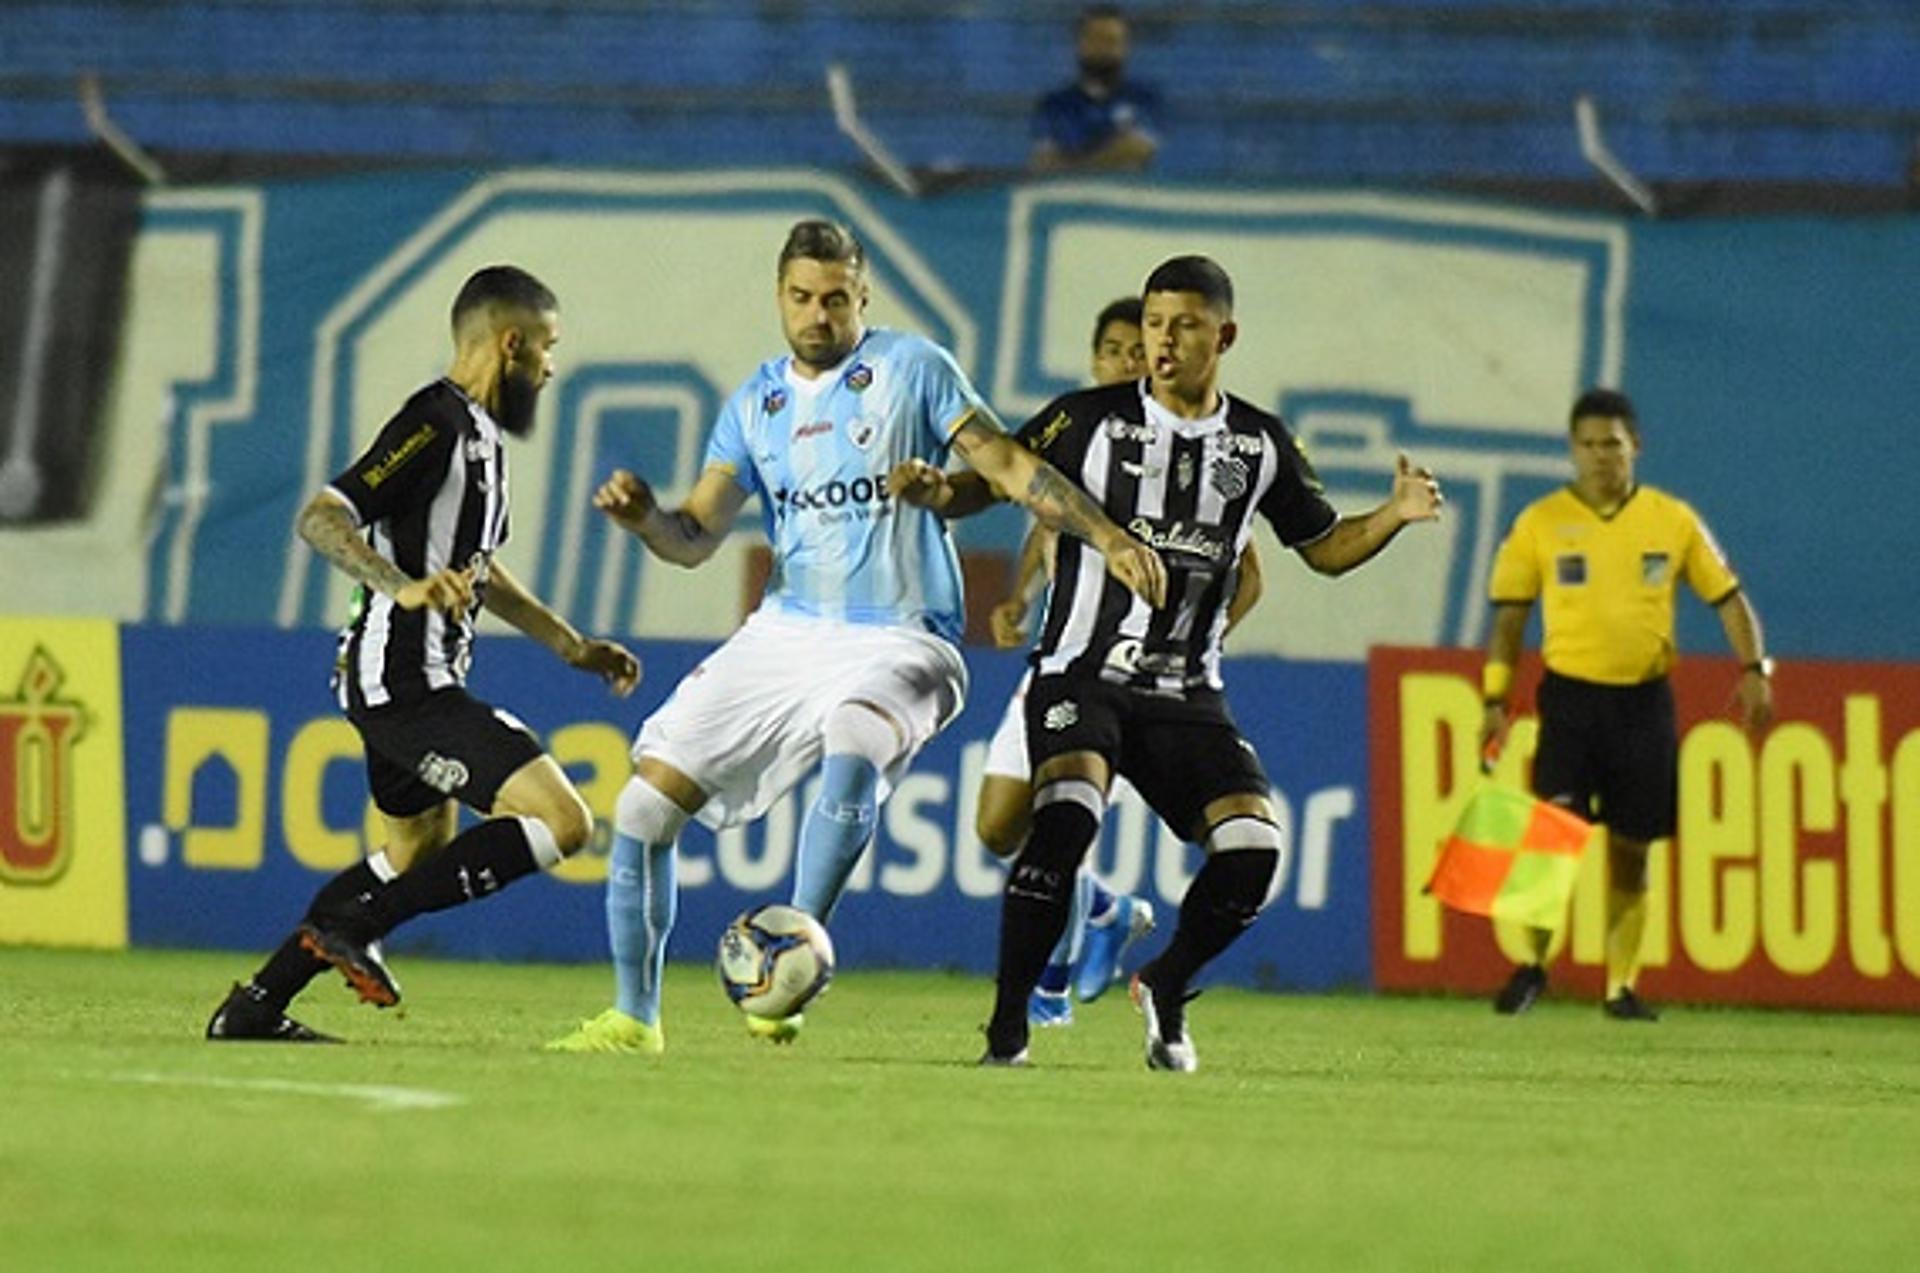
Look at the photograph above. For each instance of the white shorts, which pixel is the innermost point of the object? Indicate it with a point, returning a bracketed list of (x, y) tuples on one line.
[(747, 723), (1007, 753)]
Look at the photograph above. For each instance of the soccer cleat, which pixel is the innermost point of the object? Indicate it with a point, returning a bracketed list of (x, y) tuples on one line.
[(1628, 1006), (776, 1029), (1104, 944), (359, 962), (1168, 1045), (240, 1018), (612, 1031), (992, 1060), (1521, 991), (1049, 1008)]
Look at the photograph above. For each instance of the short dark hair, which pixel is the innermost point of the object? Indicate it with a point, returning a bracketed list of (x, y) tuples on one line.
[(818, 240), (1608, 404), (1125, 310), (1193, 274), (503, 285), (1098, 13)]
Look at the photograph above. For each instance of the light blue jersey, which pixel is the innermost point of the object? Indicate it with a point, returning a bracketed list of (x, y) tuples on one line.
[(817, 452)]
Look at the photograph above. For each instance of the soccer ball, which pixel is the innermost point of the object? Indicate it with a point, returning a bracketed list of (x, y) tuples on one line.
[(773, 960)]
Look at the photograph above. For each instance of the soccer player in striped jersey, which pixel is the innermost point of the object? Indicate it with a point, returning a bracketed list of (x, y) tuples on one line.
[(1605, 555), (1134, 688), (1101, 926), (416, 522), (852, 660)]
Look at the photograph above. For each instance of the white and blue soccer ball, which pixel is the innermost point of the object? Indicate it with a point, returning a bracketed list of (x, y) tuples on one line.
[(774, 960)]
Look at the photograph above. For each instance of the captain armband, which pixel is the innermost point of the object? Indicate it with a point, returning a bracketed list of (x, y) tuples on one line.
[(1496, 683)]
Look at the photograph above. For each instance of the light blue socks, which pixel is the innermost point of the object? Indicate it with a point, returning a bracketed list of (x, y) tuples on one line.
[(836, 829), (641, 896)]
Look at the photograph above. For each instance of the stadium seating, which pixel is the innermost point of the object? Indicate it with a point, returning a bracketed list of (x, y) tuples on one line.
[(1382, 91)]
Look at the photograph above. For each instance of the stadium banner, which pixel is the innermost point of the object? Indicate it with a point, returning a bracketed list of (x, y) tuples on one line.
[(62, 834), (247, 790), (1793, 880), (272, 327)]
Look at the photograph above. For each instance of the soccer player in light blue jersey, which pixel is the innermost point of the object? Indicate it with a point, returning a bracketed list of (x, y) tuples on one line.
[(852, 660)]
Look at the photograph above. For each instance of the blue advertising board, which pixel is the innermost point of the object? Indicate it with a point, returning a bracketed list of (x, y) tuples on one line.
[(245, 791)]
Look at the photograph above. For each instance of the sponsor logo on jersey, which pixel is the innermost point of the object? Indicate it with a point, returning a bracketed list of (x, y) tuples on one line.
[(1179, 538), (1126, 430), (442, 773), (393, 461), (1064, 714), (858, 493), (478, 449), (1655, 568), (813, 430), (1183, 470), (1570, 569), (1054, 428), (859, 377), (38, 730)]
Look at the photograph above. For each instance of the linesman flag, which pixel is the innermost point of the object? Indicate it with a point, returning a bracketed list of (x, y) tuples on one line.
[(1511, 857)]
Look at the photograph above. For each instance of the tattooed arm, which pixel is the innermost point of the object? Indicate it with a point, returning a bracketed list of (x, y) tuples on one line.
[(1045, 492), (327, 524)]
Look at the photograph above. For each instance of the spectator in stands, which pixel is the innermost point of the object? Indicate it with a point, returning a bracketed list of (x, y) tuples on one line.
[(1102, 122)]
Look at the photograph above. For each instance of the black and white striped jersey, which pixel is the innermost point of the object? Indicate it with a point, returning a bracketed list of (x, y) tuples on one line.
[(431, 492), (1189, 488)]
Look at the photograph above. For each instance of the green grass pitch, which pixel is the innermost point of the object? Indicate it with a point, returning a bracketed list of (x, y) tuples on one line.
[(1321, 1133)]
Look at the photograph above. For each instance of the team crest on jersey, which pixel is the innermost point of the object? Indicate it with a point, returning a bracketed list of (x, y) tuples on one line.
[(37, 734), (1228, 475), (774, 403), (859, 376), (442, 773), (1654, 568), (1183, 470), (1064, 714), (862, 430)]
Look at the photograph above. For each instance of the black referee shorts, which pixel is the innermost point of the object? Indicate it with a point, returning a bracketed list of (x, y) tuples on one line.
[(1609, 753), (1180, 754), (446, 744)]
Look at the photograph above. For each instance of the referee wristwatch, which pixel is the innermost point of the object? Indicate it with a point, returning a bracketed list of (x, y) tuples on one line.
[(1763, 666)]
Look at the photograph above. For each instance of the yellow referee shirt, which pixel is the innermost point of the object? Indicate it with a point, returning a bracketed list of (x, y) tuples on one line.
[(1608, 582)]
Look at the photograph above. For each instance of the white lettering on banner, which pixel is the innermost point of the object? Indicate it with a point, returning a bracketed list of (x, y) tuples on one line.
[(917, 836), (929, 825)]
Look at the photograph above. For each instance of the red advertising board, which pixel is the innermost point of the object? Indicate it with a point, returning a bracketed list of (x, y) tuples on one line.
[(1793, 879)]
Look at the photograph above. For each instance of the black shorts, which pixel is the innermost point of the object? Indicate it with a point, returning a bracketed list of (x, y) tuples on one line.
[(1181, 754), (1610, 753), (446, 744)]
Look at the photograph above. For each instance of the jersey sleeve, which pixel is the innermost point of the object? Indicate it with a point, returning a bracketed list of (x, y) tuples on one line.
[(1295, 504), (1707, 570), (943, 393), (1516, 567), (1056, 435), (404, 464), (727, 444)]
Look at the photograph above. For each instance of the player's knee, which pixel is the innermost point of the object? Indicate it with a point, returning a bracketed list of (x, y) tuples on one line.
[(1002, 828), (1250, 852), (1627, 866), (645, 814), (858, 729), (571, 822)]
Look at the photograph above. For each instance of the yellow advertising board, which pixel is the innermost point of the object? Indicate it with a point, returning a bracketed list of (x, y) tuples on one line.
[(63, 875)]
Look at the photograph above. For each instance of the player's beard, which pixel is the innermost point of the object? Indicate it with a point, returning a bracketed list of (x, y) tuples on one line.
[(821, 349), (519, 395)]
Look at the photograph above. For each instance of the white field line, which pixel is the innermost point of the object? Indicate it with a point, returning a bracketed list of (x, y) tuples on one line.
[(379, 1096)]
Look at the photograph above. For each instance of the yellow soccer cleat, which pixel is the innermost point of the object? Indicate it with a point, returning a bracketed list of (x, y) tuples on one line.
[(776, 1029), (613, 1031)]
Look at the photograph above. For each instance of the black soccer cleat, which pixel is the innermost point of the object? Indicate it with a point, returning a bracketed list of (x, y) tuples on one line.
[(1523, 989), (1169, 1047), (359, 962), (241, 1018), (992, 1060), (1628, 1006), (1009, 1051)]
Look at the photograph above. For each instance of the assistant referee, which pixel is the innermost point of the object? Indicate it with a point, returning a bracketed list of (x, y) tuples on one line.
[(1606, 554)]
